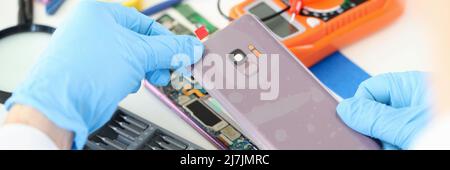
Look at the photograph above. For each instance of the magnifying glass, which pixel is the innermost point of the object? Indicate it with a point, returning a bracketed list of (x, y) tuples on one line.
[(20, 46)]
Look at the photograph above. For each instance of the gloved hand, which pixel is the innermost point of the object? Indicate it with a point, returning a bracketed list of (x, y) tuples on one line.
[(95, 59), (390, 107)]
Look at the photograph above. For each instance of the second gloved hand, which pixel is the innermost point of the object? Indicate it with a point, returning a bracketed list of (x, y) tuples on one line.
[(390, 107), (95, 59)]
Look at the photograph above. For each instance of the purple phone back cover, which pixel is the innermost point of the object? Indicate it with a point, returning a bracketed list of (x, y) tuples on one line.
[(304, 114)]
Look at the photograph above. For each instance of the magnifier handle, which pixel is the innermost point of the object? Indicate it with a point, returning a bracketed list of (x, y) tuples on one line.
[(25, 12)]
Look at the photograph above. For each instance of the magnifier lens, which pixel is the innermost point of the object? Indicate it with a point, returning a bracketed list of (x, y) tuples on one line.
[(18, 53)]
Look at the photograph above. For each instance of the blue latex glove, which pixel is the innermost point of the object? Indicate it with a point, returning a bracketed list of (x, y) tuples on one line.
[(390, 107), (95, 59)]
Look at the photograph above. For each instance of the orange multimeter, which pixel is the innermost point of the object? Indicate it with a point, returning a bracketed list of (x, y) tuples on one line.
[(322, 26)]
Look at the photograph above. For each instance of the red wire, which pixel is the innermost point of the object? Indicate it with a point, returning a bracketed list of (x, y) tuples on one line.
[(296, 6)]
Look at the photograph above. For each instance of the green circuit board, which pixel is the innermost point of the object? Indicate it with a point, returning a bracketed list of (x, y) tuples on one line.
[(206, 112)]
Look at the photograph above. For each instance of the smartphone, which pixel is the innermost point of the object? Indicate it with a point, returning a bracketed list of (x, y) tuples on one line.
[(266, 91)]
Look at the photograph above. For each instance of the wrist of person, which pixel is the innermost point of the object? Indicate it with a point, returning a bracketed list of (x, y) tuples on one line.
[(26, 115), (59, 107)]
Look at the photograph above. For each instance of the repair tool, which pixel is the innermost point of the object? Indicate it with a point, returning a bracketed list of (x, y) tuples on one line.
[(296, 6), (24, 27), (123, 132), (134, 122), (52, 6), (124, 140), (121, 135), (153, 147), (160, 7), (98, 146), (129, 127), (314, 29), (133, 3), (113, 143), (174, 142)]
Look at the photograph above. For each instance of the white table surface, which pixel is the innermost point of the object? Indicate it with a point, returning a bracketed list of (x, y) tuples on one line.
[(400, 47)]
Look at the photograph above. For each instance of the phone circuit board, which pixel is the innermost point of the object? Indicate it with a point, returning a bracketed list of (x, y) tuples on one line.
[(205, 111)]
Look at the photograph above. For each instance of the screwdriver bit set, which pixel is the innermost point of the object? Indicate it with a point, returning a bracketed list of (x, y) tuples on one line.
[(127, 131)]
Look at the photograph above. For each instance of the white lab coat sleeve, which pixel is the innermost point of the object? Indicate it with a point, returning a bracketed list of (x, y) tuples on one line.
[(23, 137), (436, 136)]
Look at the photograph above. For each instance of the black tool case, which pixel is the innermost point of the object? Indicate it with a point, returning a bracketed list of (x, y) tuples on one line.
[(127, 131)]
